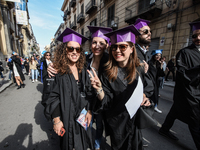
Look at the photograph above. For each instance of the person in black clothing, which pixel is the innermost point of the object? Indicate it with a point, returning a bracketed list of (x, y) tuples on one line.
[(142, 40), (171, 68), (71, 94), (155, 71), (17, 70), (186, 106), (26, 64), (97, 60), (121, 78), (10, 65)]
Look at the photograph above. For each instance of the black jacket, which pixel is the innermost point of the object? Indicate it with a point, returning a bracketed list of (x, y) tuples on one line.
[(187, 86)]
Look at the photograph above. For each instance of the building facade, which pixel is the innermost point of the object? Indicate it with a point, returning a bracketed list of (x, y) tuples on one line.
[(13, 35), (169, 19)]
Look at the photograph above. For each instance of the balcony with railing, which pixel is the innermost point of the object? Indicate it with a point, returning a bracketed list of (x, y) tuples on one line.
[(91, 6), (68, 11), (73, 25), (146, 9), (72, 3), (111, 22), (80, 17), (65, 17)]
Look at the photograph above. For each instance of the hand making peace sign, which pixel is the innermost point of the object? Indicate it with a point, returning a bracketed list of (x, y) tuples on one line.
[(95, 82)]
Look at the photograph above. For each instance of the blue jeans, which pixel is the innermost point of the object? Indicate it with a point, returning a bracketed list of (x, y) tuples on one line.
[(10, 73), (1, 74), (34, 74), (99, 130), (162, 82)]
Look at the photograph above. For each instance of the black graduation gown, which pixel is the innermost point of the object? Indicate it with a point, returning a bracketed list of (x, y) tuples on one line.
[(66, 93), (148, 90), (187, 86), (124, 132), (103, 61), (18, 66)]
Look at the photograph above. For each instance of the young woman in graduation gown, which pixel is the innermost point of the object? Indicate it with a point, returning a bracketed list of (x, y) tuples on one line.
[(96, 60), (116, 86), (71, 93)]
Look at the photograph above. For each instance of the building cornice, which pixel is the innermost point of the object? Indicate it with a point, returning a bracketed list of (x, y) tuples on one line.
[(64, 5)]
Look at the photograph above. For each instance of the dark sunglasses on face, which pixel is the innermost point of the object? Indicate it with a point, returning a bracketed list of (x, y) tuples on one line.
[(71, 49), (194, 36), (122, 47), (146, 31), (48, 55)]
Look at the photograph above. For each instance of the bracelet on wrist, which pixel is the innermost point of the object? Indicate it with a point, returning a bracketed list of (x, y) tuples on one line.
[(56, 123), (99, 92)]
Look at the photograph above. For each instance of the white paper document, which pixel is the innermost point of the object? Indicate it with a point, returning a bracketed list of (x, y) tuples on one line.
[(136, 99)]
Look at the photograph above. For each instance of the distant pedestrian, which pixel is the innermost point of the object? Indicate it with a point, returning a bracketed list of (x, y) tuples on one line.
[(38, 65), (171, 68), (17, 70), (26, 64), (10, 66), (164, 65), (155, 71), (33, 68), (1, 71), (46, 62)]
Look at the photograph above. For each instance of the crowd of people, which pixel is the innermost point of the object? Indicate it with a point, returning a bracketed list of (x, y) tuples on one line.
[(16, 64), (103, 86)]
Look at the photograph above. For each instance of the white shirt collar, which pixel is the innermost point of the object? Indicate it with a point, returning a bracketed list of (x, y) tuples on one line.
[(198, 47), (142, 48)]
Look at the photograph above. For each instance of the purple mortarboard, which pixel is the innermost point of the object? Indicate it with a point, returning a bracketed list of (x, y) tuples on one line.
[(141, 23), (71, 35), (158, 51), (195, 25), (99, 32), (126, 34)]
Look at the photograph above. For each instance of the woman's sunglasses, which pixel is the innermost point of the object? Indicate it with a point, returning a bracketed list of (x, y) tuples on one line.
[(146, 31), (71, 49), (122, 47)]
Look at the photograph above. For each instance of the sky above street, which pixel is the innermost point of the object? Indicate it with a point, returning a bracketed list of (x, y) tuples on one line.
[(45, 18)]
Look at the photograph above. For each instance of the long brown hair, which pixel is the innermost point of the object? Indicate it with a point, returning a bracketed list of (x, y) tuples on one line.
[(112, 65), (61, 61), (32, 60)]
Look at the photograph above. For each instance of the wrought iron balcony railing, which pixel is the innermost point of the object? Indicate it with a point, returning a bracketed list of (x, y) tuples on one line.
[(146, 9), (111, 22), (73, 25), (90, 6), (72, 3), (80, 17), (68, 11)]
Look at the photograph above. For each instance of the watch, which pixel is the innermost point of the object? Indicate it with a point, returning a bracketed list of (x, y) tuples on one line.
[(168, 3)]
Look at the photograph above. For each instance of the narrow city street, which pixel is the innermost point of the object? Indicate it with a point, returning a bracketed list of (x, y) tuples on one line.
[(24, 127)]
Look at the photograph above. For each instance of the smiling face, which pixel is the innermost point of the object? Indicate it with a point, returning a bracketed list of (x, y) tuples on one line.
[(121, 52), (196, 37), (74, 55), (98, 46)]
